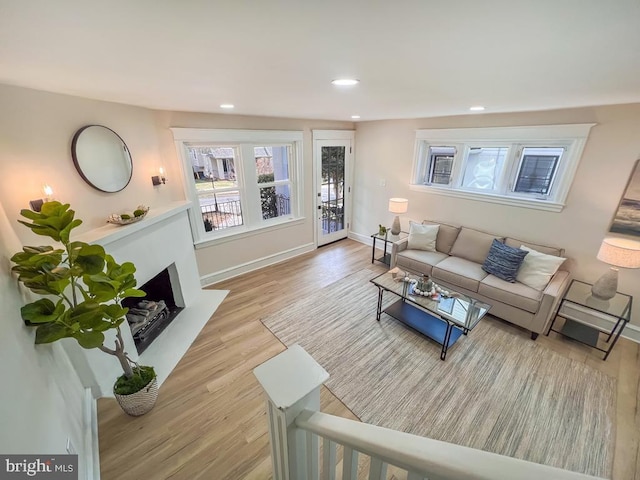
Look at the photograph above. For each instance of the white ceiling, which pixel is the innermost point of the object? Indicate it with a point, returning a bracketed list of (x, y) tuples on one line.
[(418, 58)]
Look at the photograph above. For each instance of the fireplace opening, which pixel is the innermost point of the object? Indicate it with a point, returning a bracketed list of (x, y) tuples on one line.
[(150, 315)]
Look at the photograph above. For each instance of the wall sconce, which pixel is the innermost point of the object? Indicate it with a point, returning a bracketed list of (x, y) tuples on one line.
[(36, 205), (159, 179)]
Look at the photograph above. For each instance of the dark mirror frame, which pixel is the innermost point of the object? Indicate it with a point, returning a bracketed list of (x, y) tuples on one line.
[(76, 162)]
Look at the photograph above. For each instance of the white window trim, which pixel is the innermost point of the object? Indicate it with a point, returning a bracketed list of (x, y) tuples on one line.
[(187, 136), (573, 137)]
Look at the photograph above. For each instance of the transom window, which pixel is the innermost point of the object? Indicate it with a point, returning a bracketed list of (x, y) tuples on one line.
[(240, 180), (524, 166)]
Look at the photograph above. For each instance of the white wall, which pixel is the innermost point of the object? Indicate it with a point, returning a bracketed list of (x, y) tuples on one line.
[(41, 399), (385, 151)]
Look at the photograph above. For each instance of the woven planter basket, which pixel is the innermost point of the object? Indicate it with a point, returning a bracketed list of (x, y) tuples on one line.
[(140, 402)]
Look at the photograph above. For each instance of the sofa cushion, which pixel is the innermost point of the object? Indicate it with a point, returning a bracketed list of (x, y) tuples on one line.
[(422, 237), (515, 294), (459, 272), (419, 261), (504, 261), (473, 245), (538, 268), (512, 242), (447, 235)]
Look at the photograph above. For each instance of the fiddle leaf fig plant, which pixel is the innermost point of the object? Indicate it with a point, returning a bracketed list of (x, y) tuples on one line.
[(83, 286)]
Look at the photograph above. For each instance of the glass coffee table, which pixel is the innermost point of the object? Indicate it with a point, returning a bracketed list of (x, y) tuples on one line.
[(444, 319)]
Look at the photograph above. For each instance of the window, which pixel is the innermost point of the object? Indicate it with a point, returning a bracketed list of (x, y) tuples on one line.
[(524, 166), (272, 169), (537, 170), (440, 164), (240, 180), (217, 187), (483, 166)]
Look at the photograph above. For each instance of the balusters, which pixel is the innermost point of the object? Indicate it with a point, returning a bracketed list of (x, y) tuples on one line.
[(328, 459), (349, 464), (377, 470), (312, 456)]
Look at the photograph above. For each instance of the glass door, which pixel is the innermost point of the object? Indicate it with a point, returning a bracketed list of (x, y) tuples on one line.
[(332, 158)]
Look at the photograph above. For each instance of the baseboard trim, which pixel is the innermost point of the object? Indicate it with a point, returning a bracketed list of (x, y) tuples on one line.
[(247, 267), (366, 239), (91, 446), (597, 319)]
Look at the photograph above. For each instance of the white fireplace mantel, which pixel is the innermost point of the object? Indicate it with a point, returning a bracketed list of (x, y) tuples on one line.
[(111, 233), (161, 240)]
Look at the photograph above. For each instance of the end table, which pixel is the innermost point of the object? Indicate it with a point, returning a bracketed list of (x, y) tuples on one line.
[(387, 238), (578, 306)]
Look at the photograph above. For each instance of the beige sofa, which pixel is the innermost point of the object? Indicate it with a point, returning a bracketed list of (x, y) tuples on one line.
[(457, 264)]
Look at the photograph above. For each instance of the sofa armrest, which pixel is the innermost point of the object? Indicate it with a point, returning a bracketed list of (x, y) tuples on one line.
[(558, 284), (396, 247), (551, 297)]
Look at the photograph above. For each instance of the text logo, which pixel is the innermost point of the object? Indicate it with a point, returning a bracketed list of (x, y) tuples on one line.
[(50, 467)]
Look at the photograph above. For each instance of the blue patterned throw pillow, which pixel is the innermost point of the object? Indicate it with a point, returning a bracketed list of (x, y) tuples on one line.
[(503, 261)]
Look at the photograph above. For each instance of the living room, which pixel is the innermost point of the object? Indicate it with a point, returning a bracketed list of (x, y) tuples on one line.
[(38, 122)]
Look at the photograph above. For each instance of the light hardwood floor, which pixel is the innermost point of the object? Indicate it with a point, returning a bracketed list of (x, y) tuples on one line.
[(210, 423)]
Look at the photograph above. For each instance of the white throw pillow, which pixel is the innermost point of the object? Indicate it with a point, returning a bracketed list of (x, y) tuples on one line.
[(537, 268), (423, 237)]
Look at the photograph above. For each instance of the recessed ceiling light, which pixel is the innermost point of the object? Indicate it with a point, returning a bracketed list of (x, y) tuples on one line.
[(227, 105), (355, 117), (476, 108), (345, 82)]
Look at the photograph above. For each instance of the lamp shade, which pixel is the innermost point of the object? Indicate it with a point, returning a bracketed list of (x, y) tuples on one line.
[(620, 252), (398, 205)]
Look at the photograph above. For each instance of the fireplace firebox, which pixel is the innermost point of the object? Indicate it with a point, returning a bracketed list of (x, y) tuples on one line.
[(150, 315)]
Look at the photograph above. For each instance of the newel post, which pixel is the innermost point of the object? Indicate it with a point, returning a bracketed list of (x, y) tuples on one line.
[(291, 382)]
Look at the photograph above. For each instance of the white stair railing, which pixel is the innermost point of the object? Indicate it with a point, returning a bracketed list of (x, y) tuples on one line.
[(292, 381)]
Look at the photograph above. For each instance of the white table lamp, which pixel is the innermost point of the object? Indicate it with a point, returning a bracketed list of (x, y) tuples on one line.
[(618, 252), (397, 205)]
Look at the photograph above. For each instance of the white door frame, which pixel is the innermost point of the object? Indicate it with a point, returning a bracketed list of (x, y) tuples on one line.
[(341, 136)]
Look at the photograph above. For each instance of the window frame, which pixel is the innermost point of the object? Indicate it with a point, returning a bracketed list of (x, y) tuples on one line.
[(247, 179), (571, 137)]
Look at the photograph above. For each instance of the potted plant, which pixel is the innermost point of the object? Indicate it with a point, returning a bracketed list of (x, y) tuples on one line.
[(87, 286)]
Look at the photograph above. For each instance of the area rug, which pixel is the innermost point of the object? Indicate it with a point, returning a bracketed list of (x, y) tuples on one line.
[(497, 390)]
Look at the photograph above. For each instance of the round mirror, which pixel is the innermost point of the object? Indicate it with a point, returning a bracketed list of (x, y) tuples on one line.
[(102, 158)]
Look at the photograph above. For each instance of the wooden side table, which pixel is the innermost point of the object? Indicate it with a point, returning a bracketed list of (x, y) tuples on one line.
[(578, 307), (388, 238)]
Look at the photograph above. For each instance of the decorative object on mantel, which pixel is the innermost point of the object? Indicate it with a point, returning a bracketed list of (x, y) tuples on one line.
[(627, 218), (89, 286), (126, 218), (618, 252), (397, 205)]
